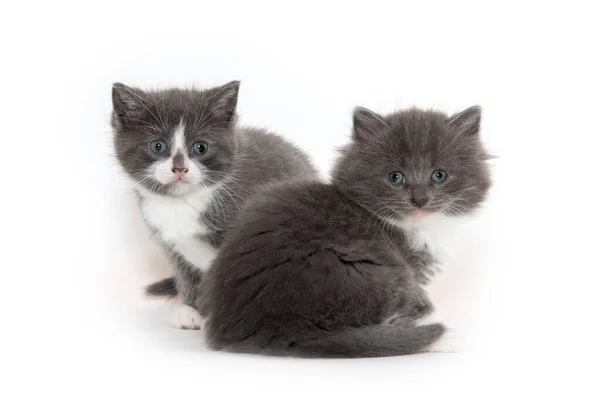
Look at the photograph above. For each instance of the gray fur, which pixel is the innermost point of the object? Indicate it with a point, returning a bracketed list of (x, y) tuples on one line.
[(241, 159), (315, 270), (165, 287)]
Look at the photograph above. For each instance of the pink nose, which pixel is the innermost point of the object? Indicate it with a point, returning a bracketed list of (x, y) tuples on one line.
[(179, 172)]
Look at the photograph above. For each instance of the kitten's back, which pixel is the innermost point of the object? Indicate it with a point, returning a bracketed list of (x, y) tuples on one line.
[(277, 158), (290, 276)]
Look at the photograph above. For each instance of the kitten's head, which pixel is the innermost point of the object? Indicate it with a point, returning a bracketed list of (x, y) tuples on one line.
[(174, 141), (412, 163)]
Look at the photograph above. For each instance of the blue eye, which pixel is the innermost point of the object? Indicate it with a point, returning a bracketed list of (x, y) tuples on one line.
[(158, 146), (200, 148), (438, 176), (397, 178)]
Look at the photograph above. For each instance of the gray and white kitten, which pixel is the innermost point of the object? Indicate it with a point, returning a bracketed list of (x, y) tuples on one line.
[(192, 169), (341, 269)]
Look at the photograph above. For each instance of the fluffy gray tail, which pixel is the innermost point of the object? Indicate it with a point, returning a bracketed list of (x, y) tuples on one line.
[(165, 287), (386, 339), (371, 341)]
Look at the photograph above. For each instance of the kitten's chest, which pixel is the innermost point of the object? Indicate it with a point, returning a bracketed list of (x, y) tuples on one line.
[(179, 224), (430, 241)]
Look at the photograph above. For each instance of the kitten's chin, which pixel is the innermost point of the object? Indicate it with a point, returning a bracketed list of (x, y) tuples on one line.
[(180, 188)]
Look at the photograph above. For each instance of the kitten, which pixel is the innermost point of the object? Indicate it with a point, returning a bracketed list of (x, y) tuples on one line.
[(340, 269), (192, 169)]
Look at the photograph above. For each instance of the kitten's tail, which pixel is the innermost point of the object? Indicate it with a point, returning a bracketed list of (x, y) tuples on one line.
[(383, 340), (371, 341), (165, 287)]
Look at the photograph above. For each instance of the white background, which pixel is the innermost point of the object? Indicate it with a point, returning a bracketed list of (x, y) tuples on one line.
[(77, 336)]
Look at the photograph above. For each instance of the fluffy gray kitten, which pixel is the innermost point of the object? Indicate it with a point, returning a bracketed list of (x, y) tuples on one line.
[(340, 269), (192, 169)]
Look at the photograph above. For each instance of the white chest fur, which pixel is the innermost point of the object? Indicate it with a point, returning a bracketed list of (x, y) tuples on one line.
[(436, 232), (439, 235), (179, 223)]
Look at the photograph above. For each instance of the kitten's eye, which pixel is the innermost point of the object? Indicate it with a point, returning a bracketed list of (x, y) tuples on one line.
[(438, 176), (158, 146), (397, 178), (200, 148)]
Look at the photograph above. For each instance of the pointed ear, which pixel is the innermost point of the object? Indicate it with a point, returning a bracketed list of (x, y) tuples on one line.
[(224, 101), (127, 101), (467, 122), (366, 123)]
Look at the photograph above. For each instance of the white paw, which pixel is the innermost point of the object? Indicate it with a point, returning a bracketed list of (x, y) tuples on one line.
[(186, 317), (448, 343), (432, 317)]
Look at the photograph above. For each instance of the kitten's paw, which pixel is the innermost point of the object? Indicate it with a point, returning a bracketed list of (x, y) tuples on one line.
[(448, 343), (186, 317), (432, 317)]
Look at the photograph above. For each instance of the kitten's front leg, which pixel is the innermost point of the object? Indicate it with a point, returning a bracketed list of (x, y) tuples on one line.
[(185, 316)]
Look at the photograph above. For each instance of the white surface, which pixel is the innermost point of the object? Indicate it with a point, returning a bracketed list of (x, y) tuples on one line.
[(78, 337)]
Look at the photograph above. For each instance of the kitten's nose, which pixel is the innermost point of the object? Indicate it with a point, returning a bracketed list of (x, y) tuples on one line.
[(179, 171), (419, 202)]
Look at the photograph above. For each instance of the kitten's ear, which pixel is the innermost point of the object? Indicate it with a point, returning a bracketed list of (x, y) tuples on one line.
[(467, 122), (127, 101), (366, 123), (224, 101)]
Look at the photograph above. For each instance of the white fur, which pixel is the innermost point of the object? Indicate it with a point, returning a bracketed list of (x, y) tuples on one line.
[(432, 317), (179, 137), (177, 219), (435, 232), (186, 317)]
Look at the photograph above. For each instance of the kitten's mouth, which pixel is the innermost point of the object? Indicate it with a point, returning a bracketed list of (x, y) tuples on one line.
[(180, 181), (420, 213)]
